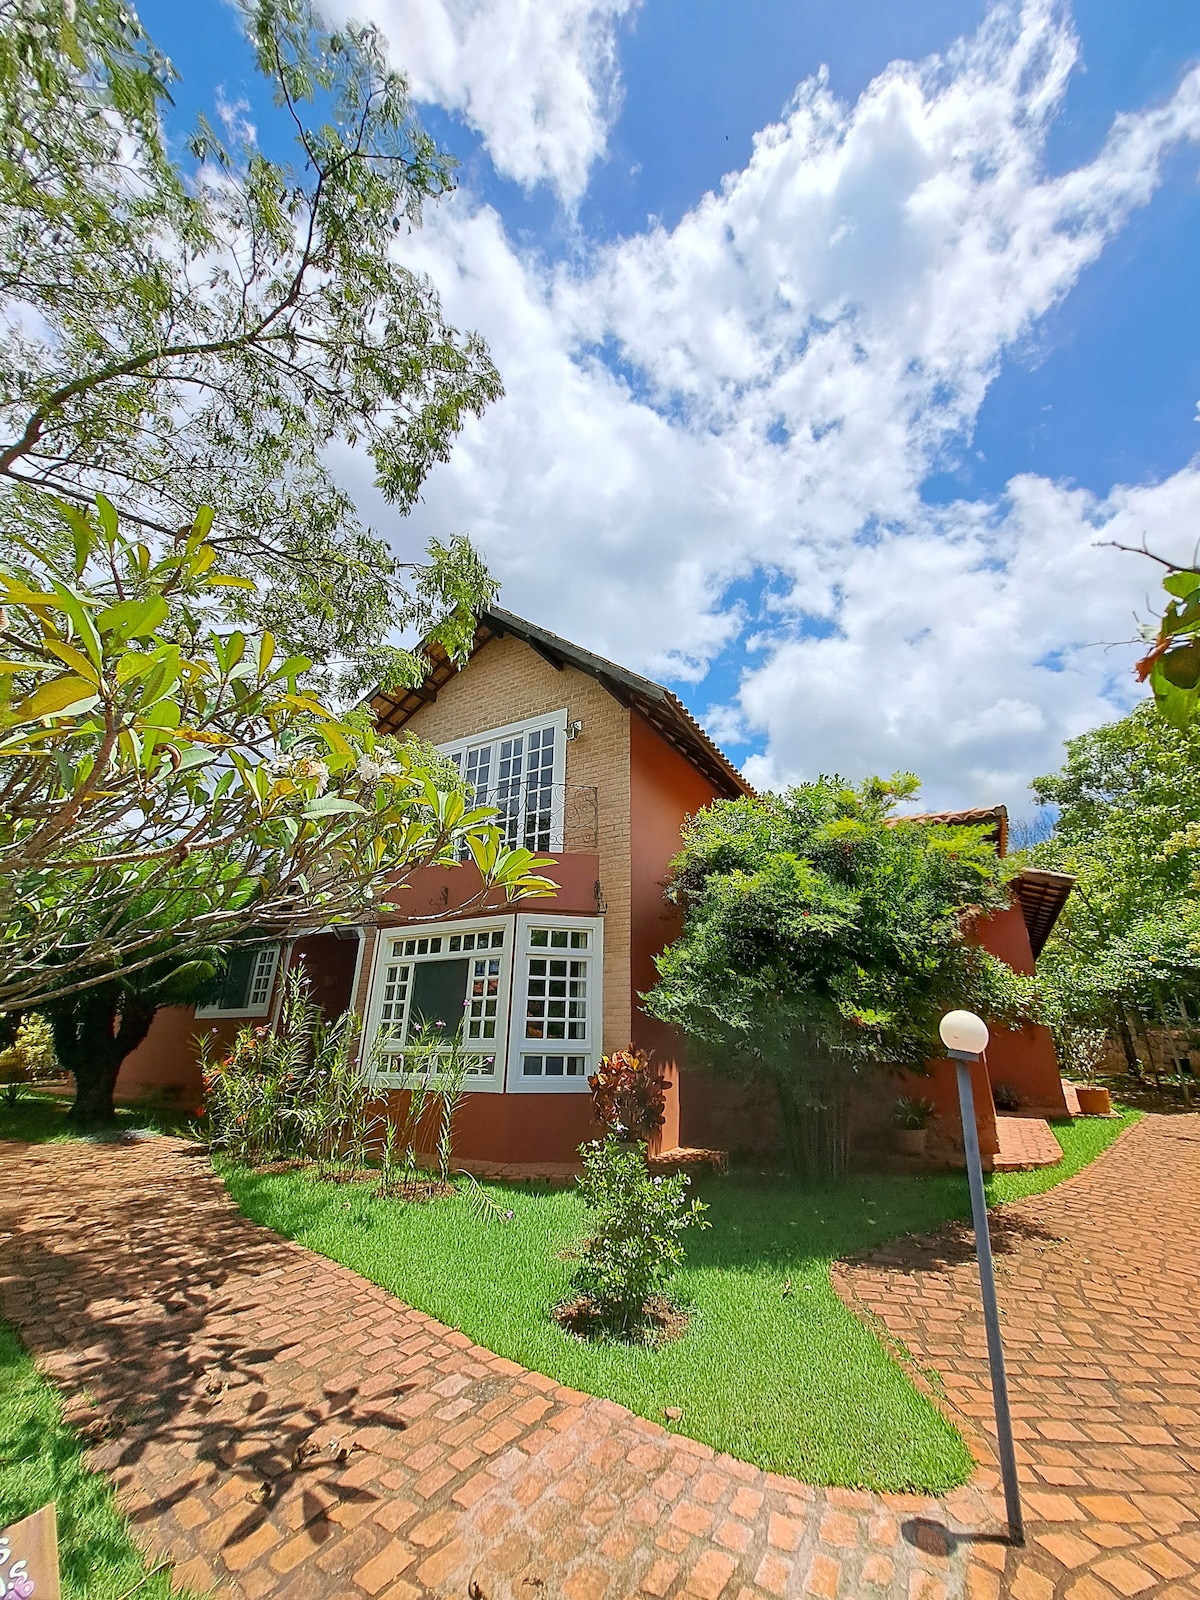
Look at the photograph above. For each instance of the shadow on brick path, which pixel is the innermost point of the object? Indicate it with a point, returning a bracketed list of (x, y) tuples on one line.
[(279, 1427), (1099, 1288)]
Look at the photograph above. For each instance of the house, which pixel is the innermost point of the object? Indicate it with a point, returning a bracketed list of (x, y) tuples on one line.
[(596, 767)]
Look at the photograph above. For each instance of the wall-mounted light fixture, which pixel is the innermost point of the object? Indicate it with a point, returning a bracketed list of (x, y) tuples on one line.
[(574, 729)]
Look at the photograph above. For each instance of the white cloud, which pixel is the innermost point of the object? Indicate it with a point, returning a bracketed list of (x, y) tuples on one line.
[(536, 79), (969, 649), (780, 373)]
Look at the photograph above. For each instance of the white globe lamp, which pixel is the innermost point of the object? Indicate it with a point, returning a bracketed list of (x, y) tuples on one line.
[(963, 1033)]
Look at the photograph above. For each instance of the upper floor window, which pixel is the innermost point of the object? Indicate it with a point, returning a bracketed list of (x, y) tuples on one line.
[(520, 770)]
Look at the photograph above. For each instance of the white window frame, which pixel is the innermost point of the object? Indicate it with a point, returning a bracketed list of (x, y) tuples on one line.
[(457, 748), (494, 1082), (263, 974), (590, 1047)]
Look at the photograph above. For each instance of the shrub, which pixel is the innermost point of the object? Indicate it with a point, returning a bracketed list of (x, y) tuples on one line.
[(291, 1091), (913, 1113), (30, 1058), (635, 1247), (629, 1094), (297, 1092), (1006, 1098)]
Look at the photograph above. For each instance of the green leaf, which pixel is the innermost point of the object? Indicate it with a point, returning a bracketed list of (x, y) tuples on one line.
[(68, 693), (107, 513), (330, 805), (1181, 584), (135, 619), (1181, 666)]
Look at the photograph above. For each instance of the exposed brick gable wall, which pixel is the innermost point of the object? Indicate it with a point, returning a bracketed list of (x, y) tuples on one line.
[(506, 681)]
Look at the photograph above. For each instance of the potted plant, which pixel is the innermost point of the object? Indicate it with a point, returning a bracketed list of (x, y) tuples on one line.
[(911, 1121), (1080, 1051)]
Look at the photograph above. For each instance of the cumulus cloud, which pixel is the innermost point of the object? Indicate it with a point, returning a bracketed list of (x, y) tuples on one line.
[(760, 392), (536, 79)]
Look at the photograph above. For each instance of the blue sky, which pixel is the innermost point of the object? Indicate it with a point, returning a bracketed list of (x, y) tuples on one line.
[(827, 375)]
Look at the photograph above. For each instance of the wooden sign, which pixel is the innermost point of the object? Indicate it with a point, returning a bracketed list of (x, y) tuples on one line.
[(29, 1558)]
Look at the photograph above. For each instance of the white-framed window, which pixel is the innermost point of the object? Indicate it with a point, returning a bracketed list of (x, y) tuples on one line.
[(557, 1026), (247, 984), (520, 769), (447, 977)]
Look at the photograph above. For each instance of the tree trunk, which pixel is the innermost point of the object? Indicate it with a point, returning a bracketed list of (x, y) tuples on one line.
[(814, 1110), (94, 1031), (1131, 1055)]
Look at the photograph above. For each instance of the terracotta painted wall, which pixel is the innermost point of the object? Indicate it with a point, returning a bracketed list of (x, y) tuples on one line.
[(664, 789), (940, 1088), (165, 1065), (1024, 1058)]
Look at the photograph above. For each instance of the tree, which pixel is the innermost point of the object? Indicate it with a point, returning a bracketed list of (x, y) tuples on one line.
[(158, 773), (1171, 666), (97, 1027), (1126, 950), (172, 338), (824, 936)]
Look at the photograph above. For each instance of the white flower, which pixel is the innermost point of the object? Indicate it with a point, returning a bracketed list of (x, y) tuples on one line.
[(370, 769)]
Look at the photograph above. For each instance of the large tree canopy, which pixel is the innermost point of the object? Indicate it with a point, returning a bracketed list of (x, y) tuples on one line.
[(1126, 949), (174, 336), (162, 779), (822, 936)]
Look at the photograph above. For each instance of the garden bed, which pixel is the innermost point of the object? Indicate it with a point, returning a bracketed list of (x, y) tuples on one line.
[(772, 1367)]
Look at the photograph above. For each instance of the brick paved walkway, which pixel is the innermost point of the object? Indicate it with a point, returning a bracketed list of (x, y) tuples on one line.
[(282, 1428), (1099, 1285)]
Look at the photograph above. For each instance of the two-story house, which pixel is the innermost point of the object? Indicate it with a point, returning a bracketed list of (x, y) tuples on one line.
[(596, 767)]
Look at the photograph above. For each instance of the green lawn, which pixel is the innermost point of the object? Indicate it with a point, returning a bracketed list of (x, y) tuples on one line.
[(773, 1367), (40, 1460), (42, 1119)]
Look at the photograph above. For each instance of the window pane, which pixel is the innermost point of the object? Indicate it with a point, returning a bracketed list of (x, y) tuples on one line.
[(483, 999), (235, 984), (262, 972), (439, 989), (479, 772), (539, 789)]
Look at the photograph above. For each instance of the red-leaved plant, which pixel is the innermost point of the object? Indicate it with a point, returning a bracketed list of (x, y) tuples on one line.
[(629, 1094)]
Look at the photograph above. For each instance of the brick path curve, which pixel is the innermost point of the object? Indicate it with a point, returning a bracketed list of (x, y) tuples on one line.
[(1099, 1287), (282, 1428)]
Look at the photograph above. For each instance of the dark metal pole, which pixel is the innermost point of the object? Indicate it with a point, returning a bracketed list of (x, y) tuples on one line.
[(991, 1313)]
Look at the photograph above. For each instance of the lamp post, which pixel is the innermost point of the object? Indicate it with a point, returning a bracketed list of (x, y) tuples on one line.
[(965, 1036)]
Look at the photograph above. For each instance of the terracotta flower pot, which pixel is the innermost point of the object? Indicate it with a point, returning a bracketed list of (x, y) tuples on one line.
[(910, 1141), (1095, 1102)]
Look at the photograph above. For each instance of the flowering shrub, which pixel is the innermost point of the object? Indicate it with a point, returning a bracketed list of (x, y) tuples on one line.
[(637, 1219), (293, 1090), (296, 1092), (629, 1094), (30, 1058)]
